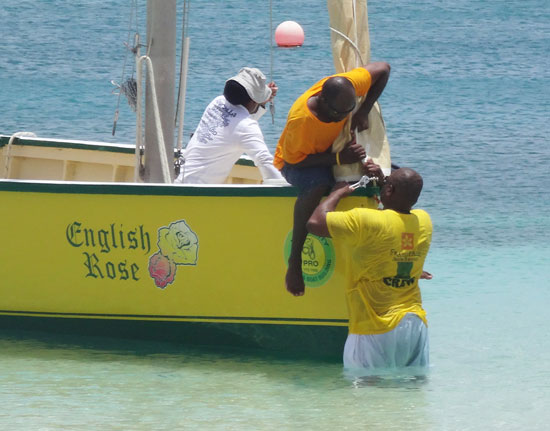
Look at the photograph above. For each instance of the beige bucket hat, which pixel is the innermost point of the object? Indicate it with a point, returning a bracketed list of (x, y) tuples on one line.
[(254, 82)]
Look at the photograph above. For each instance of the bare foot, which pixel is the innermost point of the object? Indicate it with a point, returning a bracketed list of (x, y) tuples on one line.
[(295, 282)]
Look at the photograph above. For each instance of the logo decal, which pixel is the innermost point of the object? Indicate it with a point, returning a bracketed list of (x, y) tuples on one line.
[(178, 245), (317, 259), (407, 241)]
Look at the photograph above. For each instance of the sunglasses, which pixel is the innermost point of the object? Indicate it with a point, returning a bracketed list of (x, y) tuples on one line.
[(334, 113)]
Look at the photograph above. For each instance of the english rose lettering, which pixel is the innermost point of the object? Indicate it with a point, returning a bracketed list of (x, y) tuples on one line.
[(99, 242), (108, 239), (122, 271)]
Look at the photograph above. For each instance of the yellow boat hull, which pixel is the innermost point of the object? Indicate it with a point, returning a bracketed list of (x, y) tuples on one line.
[(204, 264)]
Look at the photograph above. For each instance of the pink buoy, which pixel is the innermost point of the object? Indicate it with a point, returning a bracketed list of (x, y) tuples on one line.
[(289, 33)]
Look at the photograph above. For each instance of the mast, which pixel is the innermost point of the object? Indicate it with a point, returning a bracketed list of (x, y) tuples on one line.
[(161, 48)]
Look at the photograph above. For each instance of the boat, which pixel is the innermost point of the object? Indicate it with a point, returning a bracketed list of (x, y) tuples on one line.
[(91, 245)]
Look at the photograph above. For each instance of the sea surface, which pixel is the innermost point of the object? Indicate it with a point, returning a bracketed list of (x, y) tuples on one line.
[(467, 105)]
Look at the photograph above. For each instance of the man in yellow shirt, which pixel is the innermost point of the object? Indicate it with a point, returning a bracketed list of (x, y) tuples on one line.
[(303, 153), (384, 253)]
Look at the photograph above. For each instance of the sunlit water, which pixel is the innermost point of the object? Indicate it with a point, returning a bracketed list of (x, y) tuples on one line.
[(467, 105)]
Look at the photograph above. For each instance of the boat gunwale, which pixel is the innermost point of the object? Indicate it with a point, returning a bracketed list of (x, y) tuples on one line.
[(158, 189)]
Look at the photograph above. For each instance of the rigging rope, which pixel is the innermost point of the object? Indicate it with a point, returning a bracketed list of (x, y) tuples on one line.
[(128, 87), (351, 42), (165, 170), (271, 103), (180, 103)]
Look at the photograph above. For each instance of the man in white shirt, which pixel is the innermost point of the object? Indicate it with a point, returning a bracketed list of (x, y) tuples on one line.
[(228, 128)]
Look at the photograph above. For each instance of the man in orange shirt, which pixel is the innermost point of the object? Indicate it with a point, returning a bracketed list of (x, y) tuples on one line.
[(303, 153)]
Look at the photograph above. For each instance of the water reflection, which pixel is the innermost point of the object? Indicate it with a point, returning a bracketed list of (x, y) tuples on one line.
[(397, 378)]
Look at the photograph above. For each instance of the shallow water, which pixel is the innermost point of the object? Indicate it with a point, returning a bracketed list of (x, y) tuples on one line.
[(467, 105), (489, 370)]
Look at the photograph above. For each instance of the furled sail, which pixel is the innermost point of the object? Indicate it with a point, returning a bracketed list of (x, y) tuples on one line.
[(350, 49)]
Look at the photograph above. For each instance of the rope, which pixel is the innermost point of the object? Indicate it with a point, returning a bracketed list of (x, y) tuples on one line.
[(140, 149), (156, 111), (352, 43), (7, 159), (180, 110), (180, 104), (356, 33), (271, 103), (127, 88)]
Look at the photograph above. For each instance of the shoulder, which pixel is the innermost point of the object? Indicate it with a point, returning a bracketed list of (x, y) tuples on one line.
[(421, 214), (249, 125), (360, 78), (249, 134), (226, 108), (296, 125), (355, 216), (220, 101), (359, 73), (356, 225), (424, 220), (299, 109)]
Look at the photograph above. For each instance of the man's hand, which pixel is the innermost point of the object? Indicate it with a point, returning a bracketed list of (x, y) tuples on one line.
[(371, 169), (343, 189), (274, 90), (352, 152), (360, 120), (426, 275)]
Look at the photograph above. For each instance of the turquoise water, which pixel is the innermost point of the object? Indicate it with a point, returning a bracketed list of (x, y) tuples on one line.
[(467, 105)]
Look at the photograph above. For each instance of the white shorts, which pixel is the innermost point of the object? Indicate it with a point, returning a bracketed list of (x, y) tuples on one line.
[(405, 346)]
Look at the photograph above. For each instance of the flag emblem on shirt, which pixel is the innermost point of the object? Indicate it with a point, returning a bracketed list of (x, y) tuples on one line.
[(407, 241)]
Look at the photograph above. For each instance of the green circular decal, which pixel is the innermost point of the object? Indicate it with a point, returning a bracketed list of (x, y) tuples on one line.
[(317, 259)]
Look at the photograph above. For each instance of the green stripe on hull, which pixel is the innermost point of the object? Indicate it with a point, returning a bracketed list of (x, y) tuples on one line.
[(158, 189), (212, 319)]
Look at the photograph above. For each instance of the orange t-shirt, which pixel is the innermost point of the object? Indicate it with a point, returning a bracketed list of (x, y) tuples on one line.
[(305, 134)]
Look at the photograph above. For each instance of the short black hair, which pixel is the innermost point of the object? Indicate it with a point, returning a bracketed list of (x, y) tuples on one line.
[(235, 93)]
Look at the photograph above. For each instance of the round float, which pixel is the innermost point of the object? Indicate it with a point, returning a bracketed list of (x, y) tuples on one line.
[(289, 34)]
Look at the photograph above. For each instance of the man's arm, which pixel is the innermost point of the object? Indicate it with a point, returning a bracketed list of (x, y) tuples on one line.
[(352, 152), (379, 72), (253, 144), (317, 223)]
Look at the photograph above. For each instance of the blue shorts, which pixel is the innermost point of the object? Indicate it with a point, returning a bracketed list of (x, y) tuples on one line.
[(306, 179)]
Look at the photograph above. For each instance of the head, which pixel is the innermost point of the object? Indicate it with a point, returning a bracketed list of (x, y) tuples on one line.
[(247, 88), (401, 190), (337, 99)]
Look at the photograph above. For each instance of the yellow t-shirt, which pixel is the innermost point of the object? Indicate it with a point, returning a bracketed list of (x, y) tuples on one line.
[(304, 133), (384, 253)]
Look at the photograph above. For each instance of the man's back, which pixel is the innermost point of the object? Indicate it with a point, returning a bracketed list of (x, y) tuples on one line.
[(224, 133), (385, 251), (304, 133)]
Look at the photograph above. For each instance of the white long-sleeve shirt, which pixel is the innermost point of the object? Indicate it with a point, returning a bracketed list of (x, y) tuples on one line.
[(224, 133)]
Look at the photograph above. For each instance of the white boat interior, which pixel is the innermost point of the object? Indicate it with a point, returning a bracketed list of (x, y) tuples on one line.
[(33, 158)]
